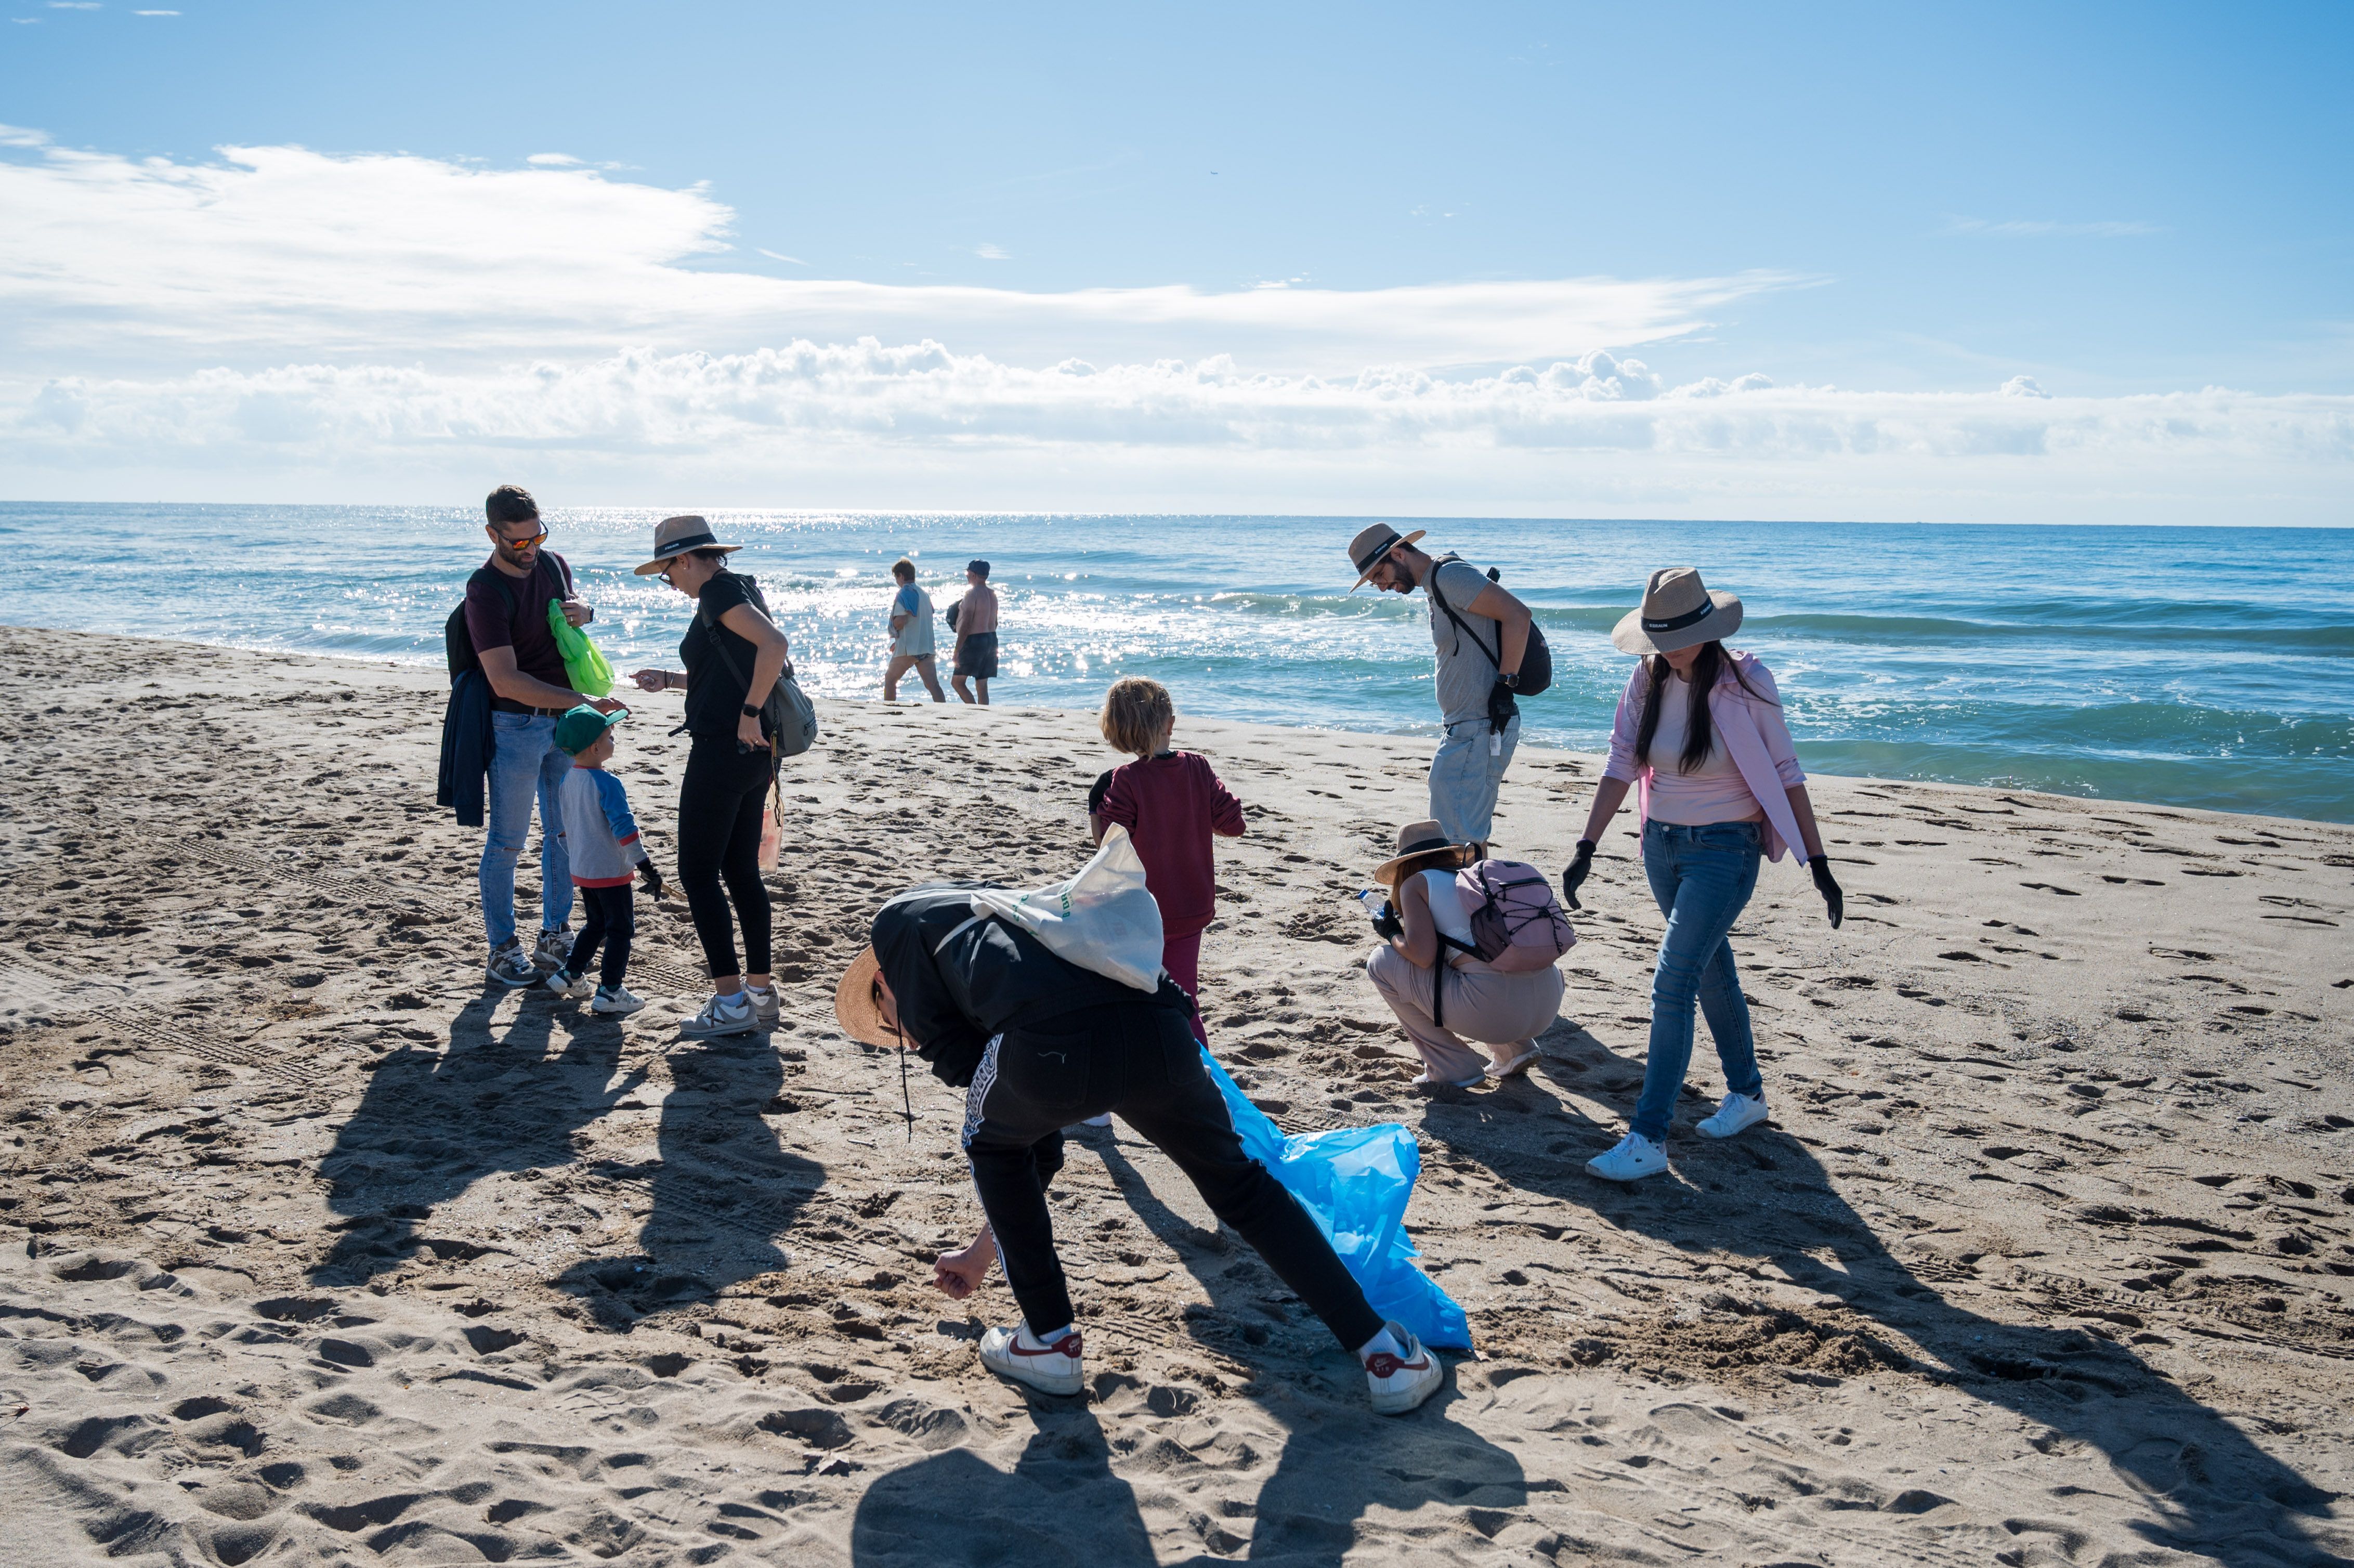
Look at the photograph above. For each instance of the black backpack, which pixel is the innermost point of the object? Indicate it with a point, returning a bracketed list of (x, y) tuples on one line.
[(1536, 660), (459, 641)]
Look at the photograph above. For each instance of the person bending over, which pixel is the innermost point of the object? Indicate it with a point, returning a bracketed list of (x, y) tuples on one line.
[(1039, 1043), (1444, 996)]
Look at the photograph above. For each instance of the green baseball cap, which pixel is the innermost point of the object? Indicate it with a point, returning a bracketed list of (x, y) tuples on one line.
[(577, 731)]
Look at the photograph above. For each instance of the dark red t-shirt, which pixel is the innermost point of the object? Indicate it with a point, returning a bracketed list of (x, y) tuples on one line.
[(1169, 805), (492, 624)]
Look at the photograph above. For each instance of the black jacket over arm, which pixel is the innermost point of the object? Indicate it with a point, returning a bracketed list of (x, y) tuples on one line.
[(959, 980)]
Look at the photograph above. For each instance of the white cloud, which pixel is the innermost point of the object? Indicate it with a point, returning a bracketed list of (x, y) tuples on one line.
[(272, 253), (74, 5), (285, 324), (780, 255), (2029, 227), (155, 12), (552, 160), (992, 253), (919, 425)]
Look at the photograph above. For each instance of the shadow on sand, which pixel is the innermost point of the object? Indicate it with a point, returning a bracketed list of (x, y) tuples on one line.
[(512, 1091), (1063, 1504), (1765, 1196)]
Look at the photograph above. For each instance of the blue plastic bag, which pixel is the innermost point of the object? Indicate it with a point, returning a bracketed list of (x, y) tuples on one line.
[(1355, 1182)]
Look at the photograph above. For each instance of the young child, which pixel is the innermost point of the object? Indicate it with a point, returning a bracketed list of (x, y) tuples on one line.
[(1172, 804), (601, 839)]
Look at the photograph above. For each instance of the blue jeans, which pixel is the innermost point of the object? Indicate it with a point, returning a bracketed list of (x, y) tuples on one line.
[(526, 762), (1703, 878), (1464, 780)]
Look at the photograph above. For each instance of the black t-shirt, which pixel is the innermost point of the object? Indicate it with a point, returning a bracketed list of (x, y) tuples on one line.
[(714, 693), (511, 612)]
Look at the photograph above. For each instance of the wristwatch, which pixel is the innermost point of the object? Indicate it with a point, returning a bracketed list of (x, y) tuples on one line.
[(1512, 680), (751, 712)]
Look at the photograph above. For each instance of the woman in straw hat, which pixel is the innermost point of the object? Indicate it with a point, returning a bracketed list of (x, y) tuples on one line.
[(734, 655), (1040, 1043), (1445, 997), (1699, 736)]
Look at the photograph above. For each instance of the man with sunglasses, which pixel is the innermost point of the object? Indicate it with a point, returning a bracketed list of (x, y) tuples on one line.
[(506, 616)]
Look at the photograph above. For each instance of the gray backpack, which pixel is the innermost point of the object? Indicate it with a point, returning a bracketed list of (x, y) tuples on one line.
[(788, 715)]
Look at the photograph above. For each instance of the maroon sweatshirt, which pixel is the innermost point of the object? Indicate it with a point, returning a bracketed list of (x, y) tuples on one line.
[(1169, 805)]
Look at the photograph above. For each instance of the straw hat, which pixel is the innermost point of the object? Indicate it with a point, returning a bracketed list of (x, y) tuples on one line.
[(675, 537), (1420, 842), (1369, 548), (854, 1003), (1678, 611)]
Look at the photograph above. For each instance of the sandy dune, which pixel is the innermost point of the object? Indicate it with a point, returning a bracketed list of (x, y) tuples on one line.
[(317, 1249)]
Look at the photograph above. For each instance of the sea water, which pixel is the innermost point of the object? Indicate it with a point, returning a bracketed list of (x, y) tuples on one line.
[(2191, 666)]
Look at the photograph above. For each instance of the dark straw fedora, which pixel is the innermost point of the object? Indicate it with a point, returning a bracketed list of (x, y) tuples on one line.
[(1373, 547), (676, 536), (1678, 611)]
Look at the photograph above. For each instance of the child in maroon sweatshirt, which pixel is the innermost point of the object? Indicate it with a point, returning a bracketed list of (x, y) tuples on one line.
[(1171, 802)]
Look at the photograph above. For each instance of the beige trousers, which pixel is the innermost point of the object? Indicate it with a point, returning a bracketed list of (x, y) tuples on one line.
[(1507, 1011)]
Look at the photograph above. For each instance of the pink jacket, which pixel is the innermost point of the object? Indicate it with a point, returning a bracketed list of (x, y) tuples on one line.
[(1752, 734)]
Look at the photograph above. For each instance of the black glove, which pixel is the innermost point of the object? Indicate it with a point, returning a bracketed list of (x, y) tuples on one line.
[(1574, 875), (1833, 899), (652, 878), (1501, 709), (1386, 924), (1095, 796)]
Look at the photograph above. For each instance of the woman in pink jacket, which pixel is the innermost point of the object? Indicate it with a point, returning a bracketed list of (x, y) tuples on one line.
[(1700, 736)]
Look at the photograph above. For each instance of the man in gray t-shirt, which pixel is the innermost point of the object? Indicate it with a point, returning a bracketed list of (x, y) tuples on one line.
[(1476, 673)]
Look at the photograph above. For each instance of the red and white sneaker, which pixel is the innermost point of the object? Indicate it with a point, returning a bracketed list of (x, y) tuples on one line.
[(1399, 1384), (1049, 1369)]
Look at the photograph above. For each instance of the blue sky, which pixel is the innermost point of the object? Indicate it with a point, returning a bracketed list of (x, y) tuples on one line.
[(1894, 201)]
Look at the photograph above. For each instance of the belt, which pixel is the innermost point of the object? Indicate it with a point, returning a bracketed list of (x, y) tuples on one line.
[(502, 705)]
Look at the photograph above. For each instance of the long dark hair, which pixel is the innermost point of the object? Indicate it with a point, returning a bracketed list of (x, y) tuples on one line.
[(1706, 671)]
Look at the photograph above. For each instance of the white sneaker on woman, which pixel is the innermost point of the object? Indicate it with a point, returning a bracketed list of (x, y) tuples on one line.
[(1049, 1369), (1635, 1158), (721, 1017), (1735, 1113)]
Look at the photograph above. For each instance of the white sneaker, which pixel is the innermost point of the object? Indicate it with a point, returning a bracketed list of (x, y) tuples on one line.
[(616, 1002), (571, 987), (722, 1016), (1635, 1158), (765, 1008), (1736, 1113), (1049, 1369), (1399, 1384), (1423, 1080), (1103, 1120)]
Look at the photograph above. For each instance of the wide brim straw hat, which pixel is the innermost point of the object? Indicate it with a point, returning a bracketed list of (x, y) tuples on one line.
[(1678, 611), (1372, 545), (1418, 842), (675, 537), (854, 1003)]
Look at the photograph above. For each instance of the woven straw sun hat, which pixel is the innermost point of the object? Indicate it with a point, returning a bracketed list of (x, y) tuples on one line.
[(1372, 545), (1678, 611), (1421, 846), (854, 1007), (675, 537)]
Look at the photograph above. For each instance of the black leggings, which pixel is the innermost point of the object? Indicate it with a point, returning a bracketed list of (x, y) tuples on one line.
[(719, 805), (1141, 1060), (612, 921)]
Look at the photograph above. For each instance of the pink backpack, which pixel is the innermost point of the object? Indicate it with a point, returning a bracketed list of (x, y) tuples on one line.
[(1516, 925)]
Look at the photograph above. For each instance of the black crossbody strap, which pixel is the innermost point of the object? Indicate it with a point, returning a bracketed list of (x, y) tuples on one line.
[(1495, 658)]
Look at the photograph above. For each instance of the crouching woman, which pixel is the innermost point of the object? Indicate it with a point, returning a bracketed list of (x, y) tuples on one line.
[(1446, 998)]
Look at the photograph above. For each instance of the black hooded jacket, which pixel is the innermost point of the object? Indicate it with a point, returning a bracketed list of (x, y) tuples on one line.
[(961, 979)]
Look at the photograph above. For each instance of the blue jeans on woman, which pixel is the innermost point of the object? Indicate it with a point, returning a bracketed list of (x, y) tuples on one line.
[(1703, 877), (526, 764)]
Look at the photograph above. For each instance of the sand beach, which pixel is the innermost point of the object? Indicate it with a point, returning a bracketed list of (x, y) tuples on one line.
[(314, 1248)]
